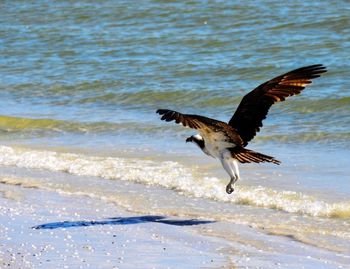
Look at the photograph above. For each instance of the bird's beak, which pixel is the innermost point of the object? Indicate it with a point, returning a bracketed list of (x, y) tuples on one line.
[(190, 139)]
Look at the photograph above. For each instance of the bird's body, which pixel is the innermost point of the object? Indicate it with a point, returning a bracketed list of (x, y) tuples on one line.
[(227, 141)]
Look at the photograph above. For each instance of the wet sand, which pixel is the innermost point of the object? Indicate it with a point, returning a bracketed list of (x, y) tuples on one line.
[(41, 229)]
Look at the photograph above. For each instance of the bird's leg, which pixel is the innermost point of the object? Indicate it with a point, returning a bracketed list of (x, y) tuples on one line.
[(231, 167), (231, 184), (234, 166)]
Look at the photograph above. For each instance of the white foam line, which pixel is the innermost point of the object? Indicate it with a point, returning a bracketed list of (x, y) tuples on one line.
[(171, 175)]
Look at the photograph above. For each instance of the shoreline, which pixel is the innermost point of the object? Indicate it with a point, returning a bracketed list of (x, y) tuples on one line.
[(81, 231)]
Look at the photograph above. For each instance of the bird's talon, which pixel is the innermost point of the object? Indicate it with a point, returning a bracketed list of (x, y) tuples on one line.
[(229, 189)]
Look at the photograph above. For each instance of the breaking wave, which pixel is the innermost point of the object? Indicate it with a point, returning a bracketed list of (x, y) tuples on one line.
[(171, 175)]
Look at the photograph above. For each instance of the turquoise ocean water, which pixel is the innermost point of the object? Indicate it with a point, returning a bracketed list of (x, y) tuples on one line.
[(80, 82)]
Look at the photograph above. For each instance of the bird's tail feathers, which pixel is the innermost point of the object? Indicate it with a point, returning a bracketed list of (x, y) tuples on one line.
[(244, 155)]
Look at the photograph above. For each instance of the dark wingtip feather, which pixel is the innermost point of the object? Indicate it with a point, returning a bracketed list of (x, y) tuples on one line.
[(167, 115), (316, 68), (276, 162), (161, 111)]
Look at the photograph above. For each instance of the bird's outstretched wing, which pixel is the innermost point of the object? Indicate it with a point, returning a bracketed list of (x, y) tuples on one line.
[(191, 121), (205, 126), (254, 106)]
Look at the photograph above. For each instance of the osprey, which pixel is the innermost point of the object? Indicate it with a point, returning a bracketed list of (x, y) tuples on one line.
[(227, 141)]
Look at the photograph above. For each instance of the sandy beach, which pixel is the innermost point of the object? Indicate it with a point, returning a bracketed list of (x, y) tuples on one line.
[(41, 228)]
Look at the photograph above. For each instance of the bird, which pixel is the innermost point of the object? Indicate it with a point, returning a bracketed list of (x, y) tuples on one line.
[(227, 141)]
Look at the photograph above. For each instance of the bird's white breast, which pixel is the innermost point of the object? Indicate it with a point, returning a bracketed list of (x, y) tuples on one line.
[(216, 144)]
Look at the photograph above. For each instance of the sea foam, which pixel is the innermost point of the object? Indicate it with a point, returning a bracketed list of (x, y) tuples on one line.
[(171, 175)]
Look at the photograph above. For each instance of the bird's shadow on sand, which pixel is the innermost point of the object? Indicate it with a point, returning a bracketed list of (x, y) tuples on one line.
[(123, 221)]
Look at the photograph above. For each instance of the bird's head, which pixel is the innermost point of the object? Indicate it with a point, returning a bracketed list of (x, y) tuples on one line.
[(189, 139), (197, 139)]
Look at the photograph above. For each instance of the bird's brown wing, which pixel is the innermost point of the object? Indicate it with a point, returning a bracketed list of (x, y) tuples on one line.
[(254, 106), (192, 121), (204, 125)]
